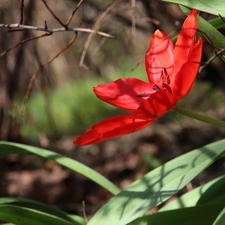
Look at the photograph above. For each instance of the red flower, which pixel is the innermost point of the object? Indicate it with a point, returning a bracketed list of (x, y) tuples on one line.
[(171, 73)]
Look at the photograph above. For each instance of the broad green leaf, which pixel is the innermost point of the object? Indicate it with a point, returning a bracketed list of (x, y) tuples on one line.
[(220, 220), (199, 215), (212, 192), (157, 186), (216, 7), (26, 216), (14, 148), (25, 203)]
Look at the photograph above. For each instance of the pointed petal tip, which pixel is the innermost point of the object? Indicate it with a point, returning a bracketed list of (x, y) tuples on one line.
[(81, 141), (160, 34)]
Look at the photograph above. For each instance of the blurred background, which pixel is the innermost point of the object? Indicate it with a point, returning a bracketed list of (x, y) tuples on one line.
[(62, 105)]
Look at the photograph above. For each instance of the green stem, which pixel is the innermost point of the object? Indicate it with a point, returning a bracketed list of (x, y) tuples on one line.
[(194, 115)]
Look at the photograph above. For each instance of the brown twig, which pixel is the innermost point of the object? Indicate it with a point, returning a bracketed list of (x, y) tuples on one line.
[(133, 21), (96, 28), (211, 59), (23, 42), (21, 11), (53, 14), (21, 27), (35, 76), (74, 11)]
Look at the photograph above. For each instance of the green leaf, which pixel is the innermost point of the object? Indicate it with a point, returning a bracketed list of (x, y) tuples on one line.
[(157, 186), (220, 220), (212, 192), (8, 224), (25, 203), (216, 7), (26, 216), (199, 215), (217, 22), (14, 148)]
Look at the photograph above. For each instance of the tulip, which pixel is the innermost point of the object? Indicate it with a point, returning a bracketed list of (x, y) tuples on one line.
[(171, 72)]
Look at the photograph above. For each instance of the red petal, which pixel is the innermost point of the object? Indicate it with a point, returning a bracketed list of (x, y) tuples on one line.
[(186, 77), (159, 56), (125, 93), (185, 41), (157, 105), (112, 128)]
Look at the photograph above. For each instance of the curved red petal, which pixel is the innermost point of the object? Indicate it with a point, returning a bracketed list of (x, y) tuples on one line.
[(185, 41), (159, 57), (112, 128), (157, 105), (186, 77), (150, 110), (124, 93)]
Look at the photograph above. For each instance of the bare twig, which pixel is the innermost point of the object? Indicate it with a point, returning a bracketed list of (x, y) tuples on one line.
[(133, 20), (21, 11), (23, 42), (35, 76), (53, 14), (99, 46), (74, 11), (211, 59), (96, 28), (21, 27)]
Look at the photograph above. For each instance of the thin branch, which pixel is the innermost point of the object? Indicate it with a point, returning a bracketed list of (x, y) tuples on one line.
[(21, 27), (21, 11), (99, 46), (133, 20), (96, 28), (74, 11), (53, 14), (23, 42), (35, 76), (211, 59)]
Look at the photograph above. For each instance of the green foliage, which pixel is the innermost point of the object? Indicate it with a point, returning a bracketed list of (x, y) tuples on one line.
[(216, 7), (157, 186), (144, 194), (199, 215), (220, 220), (28, 212), (70, 108)]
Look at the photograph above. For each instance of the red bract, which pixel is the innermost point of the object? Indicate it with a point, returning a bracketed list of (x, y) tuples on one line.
[(171, 73)]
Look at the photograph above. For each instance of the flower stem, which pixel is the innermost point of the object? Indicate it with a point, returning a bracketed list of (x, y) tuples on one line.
[(194, 115)]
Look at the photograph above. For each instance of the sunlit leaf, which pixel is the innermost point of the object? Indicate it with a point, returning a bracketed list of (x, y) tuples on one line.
[(26, 216), (39, 207), (157, 186), (199, 215), (212, 192), (220, 220)]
